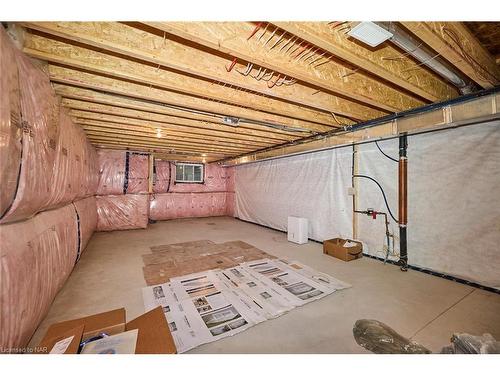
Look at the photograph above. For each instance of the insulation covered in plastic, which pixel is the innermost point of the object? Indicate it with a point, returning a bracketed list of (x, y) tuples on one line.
[(138, 181), (57, 163), (87, 216), (111, 172), (313, 186), (75, 166), (453, 210), (36, 257), (161, 181), (122, 172), (181, 205), (120, 212), (10, 123)]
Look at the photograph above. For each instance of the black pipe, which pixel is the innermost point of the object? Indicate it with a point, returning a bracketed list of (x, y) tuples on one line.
[(381, 189), (403, 202)]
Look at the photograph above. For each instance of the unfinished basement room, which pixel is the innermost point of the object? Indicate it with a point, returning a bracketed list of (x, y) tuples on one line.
[(250, 187)]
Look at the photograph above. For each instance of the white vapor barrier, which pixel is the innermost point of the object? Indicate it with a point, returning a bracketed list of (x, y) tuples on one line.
[(453, 201), (313, 186)]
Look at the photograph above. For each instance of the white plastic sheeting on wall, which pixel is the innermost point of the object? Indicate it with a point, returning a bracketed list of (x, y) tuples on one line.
[(453, 206), (453, 198), (313, 186)]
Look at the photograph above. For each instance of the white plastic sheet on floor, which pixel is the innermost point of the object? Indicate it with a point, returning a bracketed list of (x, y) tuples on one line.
[(453, 190), (313, 186), (211, 305)]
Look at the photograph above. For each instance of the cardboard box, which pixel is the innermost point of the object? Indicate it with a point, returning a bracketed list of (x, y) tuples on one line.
[(153, 337), (335, 247)]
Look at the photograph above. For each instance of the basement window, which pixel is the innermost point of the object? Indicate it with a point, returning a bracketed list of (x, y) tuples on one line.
[(190, 173)]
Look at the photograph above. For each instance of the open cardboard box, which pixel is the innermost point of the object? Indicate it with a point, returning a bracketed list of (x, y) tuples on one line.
[(335, 247), (153, 334)]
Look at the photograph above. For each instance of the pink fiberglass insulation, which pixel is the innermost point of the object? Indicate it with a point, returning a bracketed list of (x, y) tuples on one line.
[(40, 124), (138, 172), (74, 170), (230, 173), (119, 212), (161, 182), (10, 123), (111, 172), (58, 163), (36, 257), (230, 203), (87, 216), (178, 205), (122, 172)]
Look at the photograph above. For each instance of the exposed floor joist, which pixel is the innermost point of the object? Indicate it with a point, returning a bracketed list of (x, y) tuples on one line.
[(85, 99), (454, 42), (163, 51), (386, 61), (82, 58), (231, 38), (186, 128)]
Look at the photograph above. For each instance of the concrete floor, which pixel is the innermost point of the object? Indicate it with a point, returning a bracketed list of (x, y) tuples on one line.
[(426, 308)]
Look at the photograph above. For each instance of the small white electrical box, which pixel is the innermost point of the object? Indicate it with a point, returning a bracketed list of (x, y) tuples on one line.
[(297, 230), (351, 191)]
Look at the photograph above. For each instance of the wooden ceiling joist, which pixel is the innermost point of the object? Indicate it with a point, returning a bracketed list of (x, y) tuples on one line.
[(78, 115), (187, 156), (118, 129), (131, 130), (143, 130), (454, 42), (231, 38), (98, 102), (166, 140), (158, 146), (189, 128), (386, 61), (82, 58), (94, 81), (162, 51)]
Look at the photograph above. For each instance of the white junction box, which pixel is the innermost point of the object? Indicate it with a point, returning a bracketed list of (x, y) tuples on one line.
[(297, 229)]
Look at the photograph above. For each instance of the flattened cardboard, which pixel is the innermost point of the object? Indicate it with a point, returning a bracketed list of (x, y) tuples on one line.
[(154, 336), (335, 247), (48, 342), (109, 322)]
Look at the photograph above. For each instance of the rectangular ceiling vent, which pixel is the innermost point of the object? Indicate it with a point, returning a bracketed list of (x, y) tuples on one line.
[(370, 33), (233, 121)]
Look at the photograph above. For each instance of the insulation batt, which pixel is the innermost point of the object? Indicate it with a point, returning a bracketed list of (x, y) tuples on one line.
[(180, 205), (192, 200), (58, 163), (36, 257), (111, 172), (87, 214), (120, 212), (114, 176), (10, 123)]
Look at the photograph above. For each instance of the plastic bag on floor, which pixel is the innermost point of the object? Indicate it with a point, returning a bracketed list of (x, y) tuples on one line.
[(463, 343), (379, 338)]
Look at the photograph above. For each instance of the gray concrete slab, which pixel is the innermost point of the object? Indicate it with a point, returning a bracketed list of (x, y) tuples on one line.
[(109, 275)]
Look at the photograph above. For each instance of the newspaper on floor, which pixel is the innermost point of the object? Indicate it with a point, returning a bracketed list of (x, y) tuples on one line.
[(210, 305), (300, 289), (311, 273), (270, 300)]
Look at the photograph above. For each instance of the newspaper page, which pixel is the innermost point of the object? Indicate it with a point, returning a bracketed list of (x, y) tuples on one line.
[(217, 307), (181, 327), (262, 294), (303, 289), (311, 273)]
